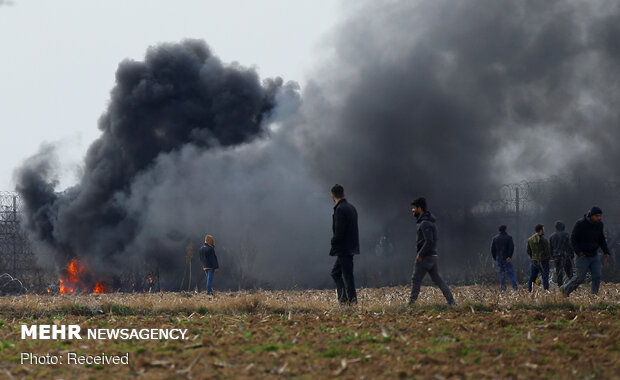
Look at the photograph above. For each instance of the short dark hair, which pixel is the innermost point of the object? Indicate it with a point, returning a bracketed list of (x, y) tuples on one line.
[(502, 228), (538, 227), (338, 191), (419, 202)]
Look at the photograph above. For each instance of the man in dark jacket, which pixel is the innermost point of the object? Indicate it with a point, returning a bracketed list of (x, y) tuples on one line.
[(344, 244), (587, 237), (561, 253), (209, 261), (426, 259), (502, 249)]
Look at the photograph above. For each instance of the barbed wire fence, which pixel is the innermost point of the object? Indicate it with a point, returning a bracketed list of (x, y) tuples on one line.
[(17, 262), (516, 204)]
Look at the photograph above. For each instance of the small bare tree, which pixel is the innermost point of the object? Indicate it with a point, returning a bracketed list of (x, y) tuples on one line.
[(245, 258)]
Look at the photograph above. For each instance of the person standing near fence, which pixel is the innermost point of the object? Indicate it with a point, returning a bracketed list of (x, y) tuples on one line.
[(587, 237), (209, 261), (502, 249), (561, 253), (426, 259), (539, 251)]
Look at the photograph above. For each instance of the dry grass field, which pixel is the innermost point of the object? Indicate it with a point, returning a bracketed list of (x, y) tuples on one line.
[(304, 334)]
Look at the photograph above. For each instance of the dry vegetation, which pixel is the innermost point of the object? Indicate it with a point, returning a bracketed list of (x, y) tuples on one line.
[(304, 334)]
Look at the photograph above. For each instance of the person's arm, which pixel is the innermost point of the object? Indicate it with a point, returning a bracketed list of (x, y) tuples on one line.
[(493, 250), (339, 226), (427, 232), (511, 249), (528, 249), (574, 239), (603, 243), (553, 243), (203, 259), (547, 248)]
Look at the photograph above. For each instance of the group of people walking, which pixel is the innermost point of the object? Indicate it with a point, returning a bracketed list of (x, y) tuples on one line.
[(345, 245), (586, 238)]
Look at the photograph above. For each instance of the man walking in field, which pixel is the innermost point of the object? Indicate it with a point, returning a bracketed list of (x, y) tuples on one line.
[(344, 244), (561, 253), (587, 237), (539, 251), (426, 259), (502, 249)]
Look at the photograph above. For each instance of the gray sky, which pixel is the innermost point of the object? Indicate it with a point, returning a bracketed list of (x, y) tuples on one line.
[(58, 58)]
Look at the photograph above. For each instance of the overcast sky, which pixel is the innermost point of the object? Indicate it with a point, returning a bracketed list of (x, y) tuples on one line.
[(58, 58)]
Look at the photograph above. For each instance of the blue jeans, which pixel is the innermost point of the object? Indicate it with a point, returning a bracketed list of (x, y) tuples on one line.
[(583, 264), (541, 267), (505, 266), (210, 273)]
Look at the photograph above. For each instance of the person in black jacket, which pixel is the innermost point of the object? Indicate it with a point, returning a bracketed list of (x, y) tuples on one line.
[(561, 253), (587, 237), (209, 261), (344, 244), (502, 249), (426, 259)]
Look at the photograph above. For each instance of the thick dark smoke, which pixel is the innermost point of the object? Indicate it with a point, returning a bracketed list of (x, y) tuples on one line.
[(180, 95), (452, 99), (446, 99)]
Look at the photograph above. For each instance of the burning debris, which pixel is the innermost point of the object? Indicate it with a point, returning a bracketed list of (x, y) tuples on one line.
[(78, 279)]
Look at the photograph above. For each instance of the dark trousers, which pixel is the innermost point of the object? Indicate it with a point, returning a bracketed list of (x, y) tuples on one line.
[(562, 265), (342, 273), (428, 265), (537, 267)]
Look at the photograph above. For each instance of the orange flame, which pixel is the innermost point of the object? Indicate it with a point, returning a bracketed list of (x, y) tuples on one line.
[(100, 287), (76, 270)]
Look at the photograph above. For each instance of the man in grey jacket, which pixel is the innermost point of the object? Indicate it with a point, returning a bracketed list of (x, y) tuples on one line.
[(426, 259), (561, 252)]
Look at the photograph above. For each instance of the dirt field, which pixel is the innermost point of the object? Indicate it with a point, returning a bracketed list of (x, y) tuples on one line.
[(303, 334)]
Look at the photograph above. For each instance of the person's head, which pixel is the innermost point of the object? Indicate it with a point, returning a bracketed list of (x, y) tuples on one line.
[(502, 228), (418, 206), (595, 214), (559, 226), (540, 229), (209, 240), (337, 192)]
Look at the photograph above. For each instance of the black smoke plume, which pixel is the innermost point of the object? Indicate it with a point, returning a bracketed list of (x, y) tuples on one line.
[(180, 95)]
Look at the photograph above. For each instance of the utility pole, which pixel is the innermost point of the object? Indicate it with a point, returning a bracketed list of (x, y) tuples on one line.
[(14, 236)]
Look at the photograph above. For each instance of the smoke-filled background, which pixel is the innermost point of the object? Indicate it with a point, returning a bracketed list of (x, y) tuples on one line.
[(445, 99)]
